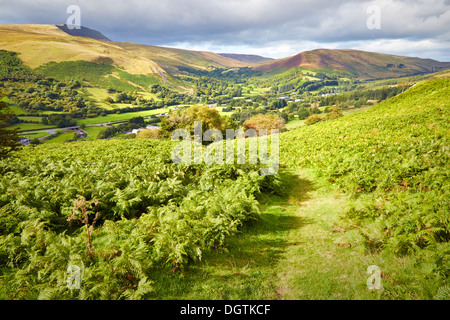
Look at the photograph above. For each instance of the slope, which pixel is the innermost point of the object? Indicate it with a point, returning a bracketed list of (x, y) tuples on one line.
[(171, 58), (83, 32), (40, 44), (359, 64), (248, 58)]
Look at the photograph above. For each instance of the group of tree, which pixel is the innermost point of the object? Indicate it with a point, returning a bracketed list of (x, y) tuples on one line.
[(8, 137), (131, 124), (264, 122), (59, 120), (185, 119), (332, 113), (360, 97), (235, 74)]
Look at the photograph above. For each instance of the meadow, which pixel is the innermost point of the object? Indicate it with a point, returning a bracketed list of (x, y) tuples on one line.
[(122, 116)]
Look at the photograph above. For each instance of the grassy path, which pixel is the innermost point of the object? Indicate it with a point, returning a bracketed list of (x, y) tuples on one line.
[(295, 251), (319, 261)]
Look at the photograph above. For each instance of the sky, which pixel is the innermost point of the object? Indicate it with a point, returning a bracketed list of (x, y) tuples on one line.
[(270, 28)]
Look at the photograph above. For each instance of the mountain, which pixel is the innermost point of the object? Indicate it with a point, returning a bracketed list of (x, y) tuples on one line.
[(41, 44), (249, 58), (171, 59), (360, 64), (83, 32)]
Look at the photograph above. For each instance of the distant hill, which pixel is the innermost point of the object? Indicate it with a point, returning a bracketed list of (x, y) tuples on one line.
[(359, 64), (41, 44), (83, 32), (172, 58), (250, 58)]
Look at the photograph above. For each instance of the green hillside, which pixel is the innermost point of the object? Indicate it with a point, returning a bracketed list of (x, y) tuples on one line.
[(172, 58), (393, 161), (356, 63), (367, 184), (41, 44), (168, 232)]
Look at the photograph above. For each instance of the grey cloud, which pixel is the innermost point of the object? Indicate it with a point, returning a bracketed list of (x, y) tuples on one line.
[(243, 22)]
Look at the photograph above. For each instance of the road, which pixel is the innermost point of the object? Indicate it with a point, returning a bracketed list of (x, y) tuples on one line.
[(53, 131)]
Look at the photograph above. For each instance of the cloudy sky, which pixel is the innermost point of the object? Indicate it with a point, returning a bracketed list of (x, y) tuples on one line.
[(271, 28)]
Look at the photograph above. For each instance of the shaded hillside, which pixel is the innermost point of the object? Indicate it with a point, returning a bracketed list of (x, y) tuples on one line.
[(359, 64), (83, 32), (171, 58), (249, 58)]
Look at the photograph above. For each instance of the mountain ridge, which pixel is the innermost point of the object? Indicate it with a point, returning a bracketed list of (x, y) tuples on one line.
[(252, 58), (40, 44), (358, 63), (83, 32)]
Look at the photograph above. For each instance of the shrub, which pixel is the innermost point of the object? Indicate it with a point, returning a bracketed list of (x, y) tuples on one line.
[(313, 119)]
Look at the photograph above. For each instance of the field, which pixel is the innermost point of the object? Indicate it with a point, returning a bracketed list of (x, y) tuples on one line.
[(34, 135), (92, 132), (23, 127), (62, 137), (122, 116), (294, 124)]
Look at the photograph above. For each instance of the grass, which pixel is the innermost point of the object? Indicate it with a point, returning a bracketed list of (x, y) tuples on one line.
[(34, 135), (148, 95), (122, 116), (290, 253), (253, 91), (92, 132), (23, 127), (297, 250), (141, 80), (294, 124), (15, 109), (64, 136), (29, 118), (99, 93), (51, 112)]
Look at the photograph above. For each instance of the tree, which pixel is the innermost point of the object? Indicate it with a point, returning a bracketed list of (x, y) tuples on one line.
[(149, 134), (335, 113), (8, 138), (315, 110), (284, 115), (121, 97), (107, 133), (267, 122), (313, 119), (303, 113), (185, 119), (35, 141)]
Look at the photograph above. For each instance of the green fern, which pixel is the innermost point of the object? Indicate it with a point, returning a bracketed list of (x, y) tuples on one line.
[(443, 293)]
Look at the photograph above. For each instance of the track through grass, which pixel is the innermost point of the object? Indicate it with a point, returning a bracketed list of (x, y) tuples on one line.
[(297, 250), (292, 252)]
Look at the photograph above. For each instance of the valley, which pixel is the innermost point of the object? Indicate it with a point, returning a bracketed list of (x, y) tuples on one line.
[(364, 153)]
